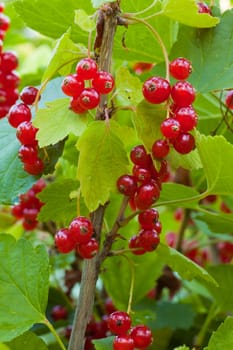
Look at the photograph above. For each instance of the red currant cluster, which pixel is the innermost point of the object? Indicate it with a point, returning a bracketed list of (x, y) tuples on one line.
[(29, 206), (78, 237), (20, 117), (9, 79), (127, 337), (84, 98), (182, 116)]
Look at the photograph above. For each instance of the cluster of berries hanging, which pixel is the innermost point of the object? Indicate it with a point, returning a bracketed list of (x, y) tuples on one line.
[(86, 85), (182, 117), (19, 117), (29, 206), (127, 337), (78, 237), (9, 79)]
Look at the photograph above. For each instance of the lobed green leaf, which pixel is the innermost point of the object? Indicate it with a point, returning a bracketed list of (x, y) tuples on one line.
[(222, 338), (28, 340)]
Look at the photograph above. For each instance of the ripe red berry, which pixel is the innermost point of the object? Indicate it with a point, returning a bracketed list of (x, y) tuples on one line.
[(76, 107), (183, 93), (59, 312), (103, 82), (17, 211), (34, 168), (184, 143), (89, 249), (19, 113), (187, 118), (229, 99), (28, 154), (149, 240), (180, 68), (148, 218), (29, 224), (142, 336), (141, 67), (9, 61), (135, 245), (72, 85), (146, 195), (127, 185), (158, 227), (160, 149), (4, 22), (170, 128), (156, 90), (203, 8), (142, 175), (26, 134), (123, 342), (11, 80), (86, 68), (119, 322), (2, 7), (139, 156), (64, 241), (28, 95), (89, 98), (81, 229)]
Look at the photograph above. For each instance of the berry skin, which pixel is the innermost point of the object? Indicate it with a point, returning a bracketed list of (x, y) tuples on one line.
[(203, 8), (89, 249), (183, 93), (11, 80), (141, 67), (127, 185), (76, 107), (156, 90), (28, 95), (19, 113), (59, 312), (148, 218), (2, 7), (35, 168), (119, 322), (9, 61), (229, 99), (123, 342), (72, 85), (135, 245), (180, 68), (142, 175), (149, 240), (86, 69), (160, 149), (103, 82), (81, 229), (142, 336), (146, 195), (187, 118), (139, 156), (170, 128), (28, 154), (89, 98), (64, 241), (184, 143), (26, 134), (4, 22)]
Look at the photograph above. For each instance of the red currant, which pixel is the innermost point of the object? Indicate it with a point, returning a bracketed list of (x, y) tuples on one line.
[(142, 336), (183, 93), (86, 69), (2, 7), (135, 245), (9, 61), (141, 67), (89, 249), (26, 133), (156, 90), (187, 118), (229, 99), (148, 218), (59, 312), (180, 68), (4, 22), (19, 113), (76, 107), (184, 143), (146, 195), (119, 322), (127, 185), (160, 149), (64, 241), (139, 156), (81, 229), (149, 240), (103, 82), (123, 342), (170, 128), (89, 98), (72, 85), (28, 154), (34, 168), (142, 175), (11, 80), (28, 95)]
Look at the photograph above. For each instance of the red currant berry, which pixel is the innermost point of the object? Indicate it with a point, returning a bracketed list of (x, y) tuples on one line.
[(89, 98), (11, 96), (67, 332), (127, 185), (30, 213), (139, 156), (28, 154), (86, 69), (135, 245), (148, 218), (26, 134), (170, 128), (17, 211), (156, 90), (142, 336), (158, 227), (146, 195), (180, 68), (184, 143), (72, 85), (229, 99), (39, 186), (34, 168), (119, 322), (4, 22), (225, 251), (123, 342), (11, 80), (19, 113), (28, 95), (183, 93), (103, 82), (160, 149), (59, 312), (76, 107), (29, 224), (81, 229), (203, 8), (187, 118), (2, 7), (9, 61), (64, 241), (3, 111), (149, 240), (142, 175), (141, 67), (89, 249)]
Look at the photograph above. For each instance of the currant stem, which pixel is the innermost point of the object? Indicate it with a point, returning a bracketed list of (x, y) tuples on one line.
[(144, 10), (53, 331), (131, 264), (201, 335), (182, 229)]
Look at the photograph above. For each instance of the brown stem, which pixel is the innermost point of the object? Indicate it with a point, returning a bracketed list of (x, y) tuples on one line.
[(182, 229), (91, 267)]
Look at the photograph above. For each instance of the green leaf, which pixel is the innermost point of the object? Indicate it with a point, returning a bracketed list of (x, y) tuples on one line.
[(185, 267), (84, 21), (103, 344), (65, 54), (129, 87), (4, 347), (102, 161), (24, 277), (13, 179), (60, 205), (223, 337), (217, 158), (182, 196), (29, 341), (175, 10), (211, 69), (190, 161), (147, 121), (174, 315), (98, 3), (216, 221), (183, 347), (58, 118)]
